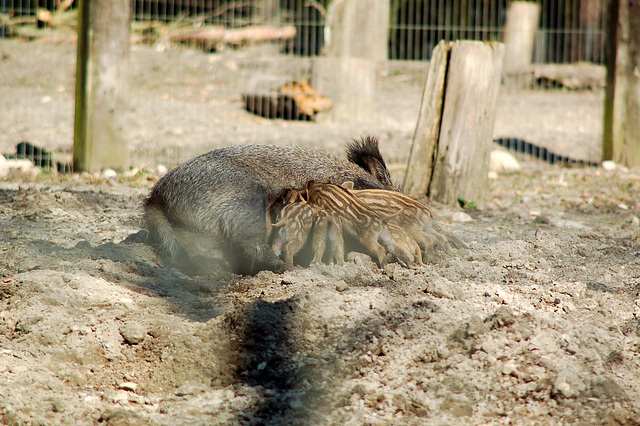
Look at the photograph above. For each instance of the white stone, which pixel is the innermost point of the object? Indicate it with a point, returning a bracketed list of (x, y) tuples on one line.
[(109, 173), (569, 384), (503, 162), (461, 217), (12, 165), (128, 386)]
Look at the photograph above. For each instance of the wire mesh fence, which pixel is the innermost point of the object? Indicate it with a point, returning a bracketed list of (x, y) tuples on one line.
[(193, 63)]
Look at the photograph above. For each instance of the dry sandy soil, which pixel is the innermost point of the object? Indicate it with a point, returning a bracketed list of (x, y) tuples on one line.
[(536, 322)]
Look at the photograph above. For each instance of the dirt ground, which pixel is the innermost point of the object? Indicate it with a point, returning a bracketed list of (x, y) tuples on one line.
[(536, 322)]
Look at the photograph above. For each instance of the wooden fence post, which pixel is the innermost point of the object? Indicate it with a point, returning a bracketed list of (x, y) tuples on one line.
[(100, 139), (267, 13), (621, 136), (357, 34), (520, 34), (449, 156)]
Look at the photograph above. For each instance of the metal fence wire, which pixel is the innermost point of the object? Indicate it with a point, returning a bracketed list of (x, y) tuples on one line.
[(569, 30), (254, 42)]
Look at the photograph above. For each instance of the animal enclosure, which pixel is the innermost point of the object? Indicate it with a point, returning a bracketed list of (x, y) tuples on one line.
[(533, 320), (192, 61)]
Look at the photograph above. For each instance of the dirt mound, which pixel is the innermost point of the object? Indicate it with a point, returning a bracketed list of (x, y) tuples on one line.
[(537, 322)]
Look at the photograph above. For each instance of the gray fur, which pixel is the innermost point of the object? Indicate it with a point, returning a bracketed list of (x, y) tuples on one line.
[(218, 201)]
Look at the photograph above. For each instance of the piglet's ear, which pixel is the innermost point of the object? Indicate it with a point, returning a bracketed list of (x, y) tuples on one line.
[(347, 184)]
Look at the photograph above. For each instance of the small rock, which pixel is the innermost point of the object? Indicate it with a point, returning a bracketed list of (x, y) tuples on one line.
[(83, 245), (116, 397), (109, 173), (457, 405), (509, 368), (341, 286), (400, 402), (133, 334), (461, 217), (502, 317), (609, 165), (162, 169), (542, 219), (288, 278), (562, 223), (128, 386), (57, 406), (82, 330), (359, 259), (569, 384), (440, 289), (539, 277), (122, 417), (175, 273), (190, 388), (9, 166), (475, 327), (295, 403), (635, 221), (503, 162), (138, 237)]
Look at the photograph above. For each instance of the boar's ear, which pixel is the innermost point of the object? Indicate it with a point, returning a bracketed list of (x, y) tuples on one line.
[(365, 153), (347, 184)]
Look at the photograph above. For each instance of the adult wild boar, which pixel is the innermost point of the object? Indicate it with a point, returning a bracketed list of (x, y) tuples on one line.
[(212, 210)]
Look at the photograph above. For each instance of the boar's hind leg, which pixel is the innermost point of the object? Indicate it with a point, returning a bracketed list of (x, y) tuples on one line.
[(247, 230), (170, 239), (163, 239)]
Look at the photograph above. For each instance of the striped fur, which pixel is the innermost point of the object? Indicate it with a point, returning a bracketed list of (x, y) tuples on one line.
[(407, 250), (294, 225), (414, 217), (348, 213), (296, 221), (326, 228), (276, 204)]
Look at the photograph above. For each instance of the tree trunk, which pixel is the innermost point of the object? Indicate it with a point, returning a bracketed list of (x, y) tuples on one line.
[(357, 38), (622, 99), (100, 139), (449, 157), (520, 34)]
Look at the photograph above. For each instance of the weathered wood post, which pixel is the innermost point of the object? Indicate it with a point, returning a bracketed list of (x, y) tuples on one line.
[(357, 32), (622, 98), (520, 34), (268, 12), (100, 139), (449, 156)]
